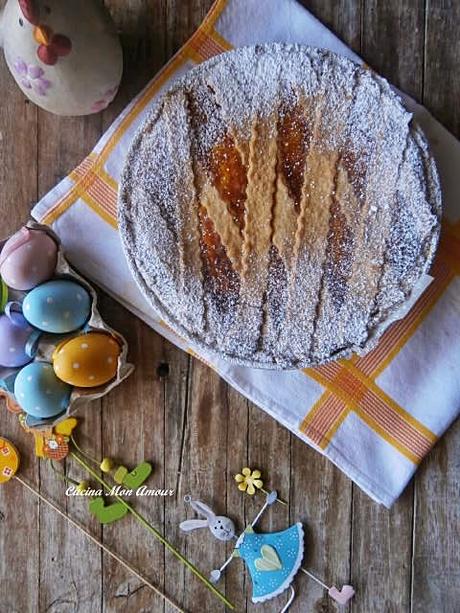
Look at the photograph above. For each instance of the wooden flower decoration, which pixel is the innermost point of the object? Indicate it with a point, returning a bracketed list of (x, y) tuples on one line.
[(248, 480)]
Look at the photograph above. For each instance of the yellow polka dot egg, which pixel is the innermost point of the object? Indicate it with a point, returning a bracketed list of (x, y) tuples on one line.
[(88, 360)]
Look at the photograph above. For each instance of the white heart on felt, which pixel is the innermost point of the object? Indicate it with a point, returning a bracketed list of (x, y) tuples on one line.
[(342, 597), (269, 559)]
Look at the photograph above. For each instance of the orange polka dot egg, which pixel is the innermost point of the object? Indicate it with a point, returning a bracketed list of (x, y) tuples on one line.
[(88, 360)]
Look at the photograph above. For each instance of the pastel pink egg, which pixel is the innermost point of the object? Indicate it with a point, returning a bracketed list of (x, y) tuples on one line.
[(27, 259)]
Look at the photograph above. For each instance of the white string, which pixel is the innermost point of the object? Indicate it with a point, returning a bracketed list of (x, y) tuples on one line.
[(259, 514), (226, 563), (315, 578), (99, 544), (289, 602)]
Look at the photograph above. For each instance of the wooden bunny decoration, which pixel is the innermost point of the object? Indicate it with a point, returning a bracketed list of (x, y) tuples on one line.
[(222, 528), (65, 56)]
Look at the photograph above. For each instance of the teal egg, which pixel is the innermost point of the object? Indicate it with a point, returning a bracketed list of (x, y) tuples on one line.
[(39, 392), (58, 306)]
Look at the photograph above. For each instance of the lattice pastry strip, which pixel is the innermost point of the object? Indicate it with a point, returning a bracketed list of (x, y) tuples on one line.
[(278, 206)]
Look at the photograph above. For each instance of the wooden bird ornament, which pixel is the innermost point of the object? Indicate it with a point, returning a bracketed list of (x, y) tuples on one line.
[(65, 56)]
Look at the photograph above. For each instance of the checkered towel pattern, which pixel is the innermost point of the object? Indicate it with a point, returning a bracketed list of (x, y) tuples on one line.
[(376, 416)]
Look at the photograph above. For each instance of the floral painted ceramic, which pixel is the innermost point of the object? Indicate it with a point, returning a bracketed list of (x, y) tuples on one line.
[(65, 56)]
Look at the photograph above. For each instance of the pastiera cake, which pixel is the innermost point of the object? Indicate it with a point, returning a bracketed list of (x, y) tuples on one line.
[(278, 206)]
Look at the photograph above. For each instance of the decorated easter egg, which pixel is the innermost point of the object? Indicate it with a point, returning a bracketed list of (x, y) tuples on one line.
[(65, 55), (18, 341), (58, 306), (28, 258), (39, 392), (88, 360)]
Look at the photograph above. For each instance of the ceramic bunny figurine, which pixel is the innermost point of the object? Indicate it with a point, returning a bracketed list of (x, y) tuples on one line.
[(65, 56), (221, 527)]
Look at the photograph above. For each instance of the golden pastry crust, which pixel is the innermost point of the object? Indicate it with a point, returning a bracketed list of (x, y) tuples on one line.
[(278, 206)]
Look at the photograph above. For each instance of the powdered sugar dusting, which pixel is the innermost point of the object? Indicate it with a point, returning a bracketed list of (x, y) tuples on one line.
[(339, 196)]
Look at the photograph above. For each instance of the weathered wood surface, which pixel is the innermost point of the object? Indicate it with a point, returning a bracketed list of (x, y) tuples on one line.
[(176, 411)]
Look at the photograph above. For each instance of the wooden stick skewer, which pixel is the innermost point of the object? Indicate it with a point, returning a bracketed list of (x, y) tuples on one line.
[(277, 500), (148, 526), (99, 544)]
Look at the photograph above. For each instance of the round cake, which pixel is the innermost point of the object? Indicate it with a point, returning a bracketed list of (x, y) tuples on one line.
[(278, 205)]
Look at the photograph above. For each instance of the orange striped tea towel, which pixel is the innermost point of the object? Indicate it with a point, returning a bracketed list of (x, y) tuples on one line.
[(375, 417)]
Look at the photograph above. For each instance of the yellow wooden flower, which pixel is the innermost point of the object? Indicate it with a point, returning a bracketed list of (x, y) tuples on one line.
[(106, 465), (82, 487), (248, 480)]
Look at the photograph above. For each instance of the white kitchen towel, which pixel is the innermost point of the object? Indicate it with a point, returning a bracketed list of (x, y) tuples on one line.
[(376, 416)]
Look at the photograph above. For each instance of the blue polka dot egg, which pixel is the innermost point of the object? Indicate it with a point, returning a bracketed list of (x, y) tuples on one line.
[(58, 306), (39, 392)]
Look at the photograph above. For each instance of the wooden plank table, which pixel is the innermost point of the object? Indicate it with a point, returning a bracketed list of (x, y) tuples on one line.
[(178, 413)]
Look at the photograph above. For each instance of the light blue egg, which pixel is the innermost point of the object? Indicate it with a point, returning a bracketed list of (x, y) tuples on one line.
[(39, 392), (58, 306)]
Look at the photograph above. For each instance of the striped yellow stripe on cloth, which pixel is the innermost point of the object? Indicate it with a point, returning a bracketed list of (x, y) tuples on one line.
[(204, 44), (349, 384)]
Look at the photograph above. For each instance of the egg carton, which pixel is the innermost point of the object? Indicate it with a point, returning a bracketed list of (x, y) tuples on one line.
[(48, 342)]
